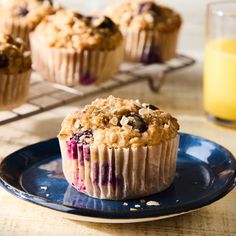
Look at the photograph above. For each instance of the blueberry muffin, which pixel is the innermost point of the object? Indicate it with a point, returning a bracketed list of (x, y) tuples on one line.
[(73, 49), (150, 30), (15, 70), (117, 149), (19, 17)]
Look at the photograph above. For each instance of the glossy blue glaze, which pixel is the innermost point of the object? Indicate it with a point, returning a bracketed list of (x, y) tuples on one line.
[(205, 173)]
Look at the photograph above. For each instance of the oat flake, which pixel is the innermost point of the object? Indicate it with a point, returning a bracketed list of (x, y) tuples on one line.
[(132, 209), (152, 203)]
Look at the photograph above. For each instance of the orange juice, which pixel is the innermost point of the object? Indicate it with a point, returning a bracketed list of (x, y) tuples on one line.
[(220, 79)]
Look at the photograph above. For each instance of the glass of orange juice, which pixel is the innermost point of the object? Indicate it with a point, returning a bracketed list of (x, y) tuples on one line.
[(219, 83)]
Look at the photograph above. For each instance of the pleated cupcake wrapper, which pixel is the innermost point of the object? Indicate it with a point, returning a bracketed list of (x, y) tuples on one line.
[(16, 29), (121, 173), (140, 44), (71, 67), (14, 89)]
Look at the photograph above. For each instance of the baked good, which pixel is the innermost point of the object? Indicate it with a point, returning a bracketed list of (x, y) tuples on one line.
[(117, 149), (150, 30), (15, 70), (19, 17), (73, 49)]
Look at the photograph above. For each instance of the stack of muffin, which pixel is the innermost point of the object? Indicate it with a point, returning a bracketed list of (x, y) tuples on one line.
[(73, 49)]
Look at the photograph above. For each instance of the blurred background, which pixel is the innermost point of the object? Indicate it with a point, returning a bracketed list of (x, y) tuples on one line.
[(181, 95), (193, 12)]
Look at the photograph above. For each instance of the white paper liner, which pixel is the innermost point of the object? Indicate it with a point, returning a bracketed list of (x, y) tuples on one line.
[(14, 90), (122, 173), (140, 43), (16, 29), (71, 67)]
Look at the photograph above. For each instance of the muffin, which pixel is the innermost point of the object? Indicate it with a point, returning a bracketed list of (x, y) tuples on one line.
[(15, 70), (119, 149), (19, 17), (72, 49), (150, 30)]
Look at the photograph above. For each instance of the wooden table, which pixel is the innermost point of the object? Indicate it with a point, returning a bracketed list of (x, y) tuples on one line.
[(182, 96)]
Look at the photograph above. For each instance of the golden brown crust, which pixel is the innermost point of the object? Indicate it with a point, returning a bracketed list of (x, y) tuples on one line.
[(26, 12), (144, 15), (116, 122), (68, 29), (13, 57)]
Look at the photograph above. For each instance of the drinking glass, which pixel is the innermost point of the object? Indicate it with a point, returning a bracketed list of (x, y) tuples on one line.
[(219, 83)]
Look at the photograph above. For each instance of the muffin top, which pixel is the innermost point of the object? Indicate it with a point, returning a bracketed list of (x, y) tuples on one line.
[(13, 57), (28, 12), (144, 15), (68, 29), (116, 122)]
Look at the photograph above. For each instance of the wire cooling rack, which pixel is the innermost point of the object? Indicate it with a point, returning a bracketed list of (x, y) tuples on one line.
[(44, 95)]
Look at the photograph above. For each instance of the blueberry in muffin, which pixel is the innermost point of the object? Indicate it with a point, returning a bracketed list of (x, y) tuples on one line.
[(118, 148), (82, 50), (150, 30), (19, 17), (15, 70)]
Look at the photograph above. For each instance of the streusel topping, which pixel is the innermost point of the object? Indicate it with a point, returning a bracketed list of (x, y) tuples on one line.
[(28, 12), (116, 122), (68, 29), (13, 57), (145, 15)]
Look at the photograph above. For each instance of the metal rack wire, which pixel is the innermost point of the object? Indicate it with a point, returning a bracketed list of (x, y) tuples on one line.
[(44, 95)]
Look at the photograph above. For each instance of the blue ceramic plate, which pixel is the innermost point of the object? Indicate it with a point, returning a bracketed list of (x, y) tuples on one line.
[(205, 173)]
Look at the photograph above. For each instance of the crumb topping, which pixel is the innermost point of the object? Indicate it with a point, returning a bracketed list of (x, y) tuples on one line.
[(145, 15), (68, 29), (116, 122), (28, 12), (153, 203), (13, 57)]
